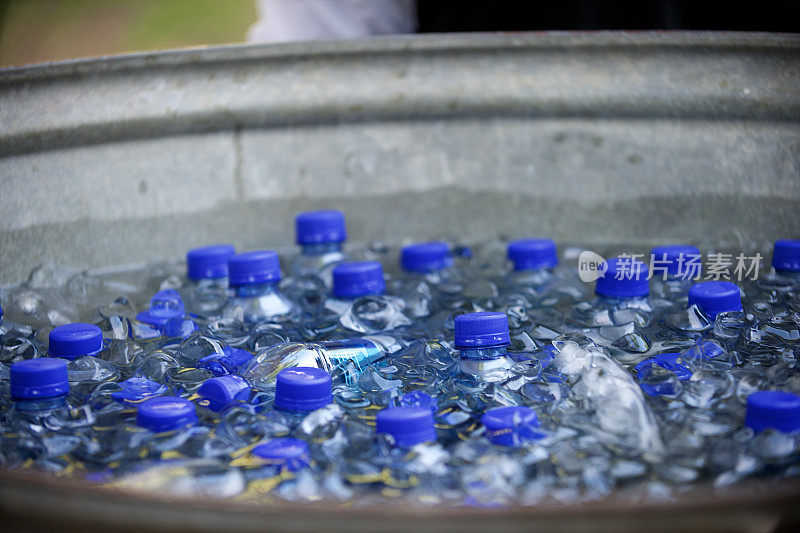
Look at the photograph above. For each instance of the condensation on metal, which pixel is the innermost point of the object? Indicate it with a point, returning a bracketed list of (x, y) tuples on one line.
[(593, 136)]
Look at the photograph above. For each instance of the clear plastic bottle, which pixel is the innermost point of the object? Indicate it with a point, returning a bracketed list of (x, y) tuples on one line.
[(254, 278), (721, 304), (430, 260), (674, 268), (299, 391), (39, 385), (786, 259), (207, 271), (425, 267), (406, 426), (533, 261), (170, 425), (482, 339), (320, 235), (622, 300), (625, 284), (345, 359), (716, 297), (359, 300)]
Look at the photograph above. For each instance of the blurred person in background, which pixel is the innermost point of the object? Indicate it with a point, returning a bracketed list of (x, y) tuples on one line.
[(294, 20), (303, 20)]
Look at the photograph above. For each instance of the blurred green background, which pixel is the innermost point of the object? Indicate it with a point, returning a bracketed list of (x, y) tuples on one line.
[(32, 31)]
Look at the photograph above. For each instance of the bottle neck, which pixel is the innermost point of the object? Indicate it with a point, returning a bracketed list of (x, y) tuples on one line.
[(321, 248), (788, 274), (634, 301), (255, 289), (207, 283), (41, 404), (483, 353)]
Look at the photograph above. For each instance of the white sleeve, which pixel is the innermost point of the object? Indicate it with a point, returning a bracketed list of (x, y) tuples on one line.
[(300, 20)]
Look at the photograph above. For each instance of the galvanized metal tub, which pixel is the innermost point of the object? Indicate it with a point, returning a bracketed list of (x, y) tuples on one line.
[(633, 137)]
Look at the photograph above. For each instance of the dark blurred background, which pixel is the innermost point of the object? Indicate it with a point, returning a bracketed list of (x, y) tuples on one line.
[(527, 15), (46, 30)]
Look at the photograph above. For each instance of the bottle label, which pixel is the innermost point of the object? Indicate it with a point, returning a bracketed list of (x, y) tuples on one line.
[(351, 356)]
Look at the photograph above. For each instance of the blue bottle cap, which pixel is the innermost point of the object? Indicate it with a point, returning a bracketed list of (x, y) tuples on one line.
[(316, 227), (222, 391), (773, 409), (715, 297), (166, 304), (302, 388), (786, 255), (251, 268), (532, 254), (165, 413), (72, 341), (136, 390), (425, 257), (44, 377), (481, 330), (623, 278), (667, 361), (292, 454), (353, 280), (208, 262), (419, 399), (674, 258), (230, 361), (408, 425), (512, 425)]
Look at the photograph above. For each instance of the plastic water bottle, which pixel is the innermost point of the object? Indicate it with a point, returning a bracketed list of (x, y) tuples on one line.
[(359, 300), (716, 297), (254, 278), (774, 409), (356, 279), (674, 269), (400, 429), (482, 339), (39, 385), (624, 284), (512, 426), (426, 266), (72, 341), (208, 266), (429, 259), (786, 258), (406, 426), (533, 261), (621, 305), (301, 390), (345, 359), (320, 235), (207, 270), (721, 303), (164, 306)]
